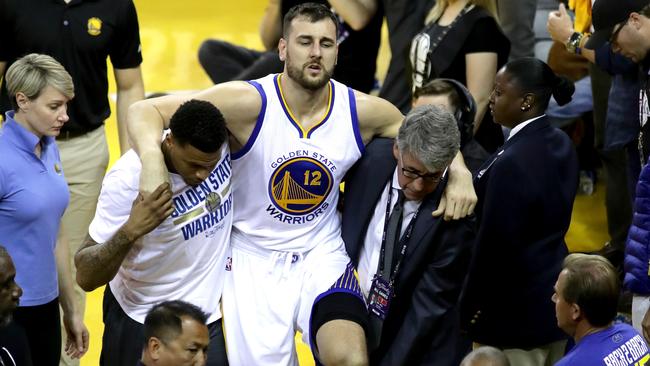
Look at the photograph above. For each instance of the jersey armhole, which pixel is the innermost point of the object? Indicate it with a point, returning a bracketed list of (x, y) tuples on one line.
[(355, 121), (258, 124)]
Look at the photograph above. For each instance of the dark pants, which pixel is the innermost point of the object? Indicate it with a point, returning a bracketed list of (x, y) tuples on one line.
[(123, 338), (618, 203), (224, 61), (34, 335)]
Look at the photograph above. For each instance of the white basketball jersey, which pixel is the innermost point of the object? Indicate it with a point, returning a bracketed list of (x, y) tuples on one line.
[(184, 258), (286, 179)]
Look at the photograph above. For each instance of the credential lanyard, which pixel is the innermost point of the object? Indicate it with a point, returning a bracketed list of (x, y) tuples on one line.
[(403, 240)]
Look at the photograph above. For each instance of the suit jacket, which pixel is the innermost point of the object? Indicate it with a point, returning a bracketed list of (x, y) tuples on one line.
[(525, 198), (422, 320)]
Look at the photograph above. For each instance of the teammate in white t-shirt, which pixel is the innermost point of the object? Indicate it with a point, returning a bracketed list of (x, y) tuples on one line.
[(294, 136), (171, 245)]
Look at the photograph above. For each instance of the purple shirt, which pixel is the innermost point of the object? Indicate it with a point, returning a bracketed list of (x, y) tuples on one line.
[(33, 196), (618, 345)]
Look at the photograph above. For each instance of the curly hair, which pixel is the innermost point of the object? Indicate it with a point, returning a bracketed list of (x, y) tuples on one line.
[(200, 124)]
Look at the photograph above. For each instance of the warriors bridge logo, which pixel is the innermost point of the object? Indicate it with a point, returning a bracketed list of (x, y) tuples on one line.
[(300, 185)]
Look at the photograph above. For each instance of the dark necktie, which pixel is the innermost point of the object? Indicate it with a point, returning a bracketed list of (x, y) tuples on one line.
[(393, 230)]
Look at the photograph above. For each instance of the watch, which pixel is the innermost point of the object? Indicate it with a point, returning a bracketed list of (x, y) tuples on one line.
[(573, 43)]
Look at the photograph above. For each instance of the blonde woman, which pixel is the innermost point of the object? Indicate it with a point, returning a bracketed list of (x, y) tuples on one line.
[(463, 41), (33, 197)]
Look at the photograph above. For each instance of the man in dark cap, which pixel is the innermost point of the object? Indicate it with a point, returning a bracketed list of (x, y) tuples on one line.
[(626, 25)]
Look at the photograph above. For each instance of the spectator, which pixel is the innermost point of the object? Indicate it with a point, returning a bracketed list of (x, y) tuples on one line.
[(453, 96), (358, 38), (586, 298), (485, 356), (462, 41), (13, 343)]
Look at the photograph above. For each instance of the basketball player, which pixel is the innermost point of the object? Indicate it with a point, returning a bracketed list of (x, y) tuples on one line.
[(147, 256), (295, 135)]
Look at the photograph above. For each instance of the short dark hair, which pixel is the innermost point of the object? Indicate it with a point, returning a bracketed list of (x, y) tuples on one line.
[(593, 284), (313, 12), (200, 124), (164, 321), (437, 87)]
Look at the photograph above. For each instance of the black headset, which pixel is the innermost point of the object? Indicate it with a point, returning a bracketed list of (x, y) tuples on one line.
[(466, 113)]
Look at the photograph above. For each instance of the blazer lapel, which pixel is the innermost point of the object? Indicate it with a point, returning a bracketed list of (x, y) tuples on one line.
[(531, 128)]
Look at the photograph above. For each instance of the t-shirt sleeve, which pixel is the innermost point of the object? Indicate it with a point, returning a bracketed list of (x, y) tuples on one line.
[(125, 49), (484, 37), (119, 189)]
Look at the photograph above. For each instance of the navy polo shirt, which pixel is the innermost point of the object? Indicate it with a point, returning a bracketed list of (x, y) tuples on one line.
[(33, 196), (80, 35)]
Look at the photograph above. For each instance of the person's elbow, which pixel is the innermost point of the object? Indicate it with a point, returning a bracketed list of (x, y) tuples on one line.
[(84, 276)]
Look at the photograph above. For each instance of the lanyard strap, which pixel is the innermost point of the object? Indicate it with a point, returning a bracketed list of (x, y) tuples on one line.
[(403, 240)]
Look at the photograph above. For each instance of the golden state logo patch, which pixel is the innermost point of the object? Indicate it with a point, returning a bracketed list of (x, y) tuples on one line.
[(94, 26), (300, 185)]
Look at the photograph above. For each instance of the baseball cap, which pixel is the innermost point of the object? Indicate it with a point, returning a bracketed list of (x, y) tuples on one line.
[(605, 14)]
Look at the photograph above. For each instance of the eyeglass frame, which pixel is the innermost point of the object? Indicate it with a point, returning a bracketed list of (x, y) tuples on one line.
[(429, 178), (614, 35)]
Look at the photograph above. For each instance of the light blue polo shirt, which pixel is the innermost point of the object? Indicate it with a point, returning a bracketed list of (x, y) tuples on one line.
[(33, 196)]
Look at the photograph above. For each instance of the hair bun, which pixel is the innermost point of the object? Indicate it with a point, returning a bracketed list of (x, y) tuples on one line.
[(563, 89)]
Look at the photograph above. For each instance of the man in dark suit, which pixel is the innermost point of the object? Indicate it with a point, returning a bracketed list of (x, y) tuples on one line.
[(416, 291)]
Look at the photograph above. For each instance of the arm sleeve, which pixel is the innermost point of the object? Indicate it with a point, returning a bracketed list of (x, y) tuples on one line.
[(125, 51), (114, 205)]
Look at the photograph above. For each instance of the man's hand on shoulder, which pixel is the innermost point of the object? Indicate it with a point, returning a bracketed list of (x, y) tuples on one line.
[(459, 197), (148, 212)]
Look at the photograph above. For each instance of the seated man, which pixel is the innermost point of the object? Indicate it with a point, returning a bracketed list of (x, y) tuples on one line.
[(485, 356), (454, 96), (586, 297), (184, 257), (411, 265), (13, 341), (175, 334)]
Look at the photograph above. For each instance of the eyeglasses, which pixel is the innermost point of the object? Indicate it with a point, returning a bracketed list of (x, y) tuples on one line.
[(615, 33), (428, 178)]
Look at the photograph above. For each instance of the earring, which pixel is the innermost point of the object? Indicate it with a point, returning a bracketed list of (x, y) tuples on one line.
[(523, 108)]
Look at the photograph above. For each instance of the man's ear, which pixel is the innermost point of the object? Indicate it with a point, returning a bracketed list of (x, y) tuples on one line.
[(395, 150), (169, 140), (576, 312), (282, 49), (154, 348), (635, 20)]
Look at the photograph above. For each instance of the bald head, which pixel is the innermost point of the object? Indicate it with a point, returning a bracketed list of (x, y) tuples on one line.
[(485, 356), (10, 292)]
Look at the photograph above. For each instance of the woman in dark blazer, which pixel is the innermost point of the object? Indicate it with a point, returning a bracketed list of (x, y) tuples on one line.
[(526, 191)]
